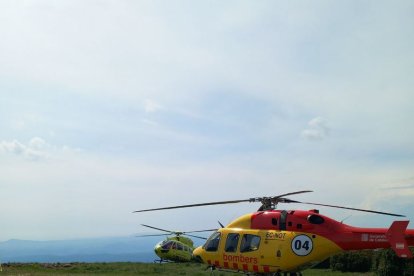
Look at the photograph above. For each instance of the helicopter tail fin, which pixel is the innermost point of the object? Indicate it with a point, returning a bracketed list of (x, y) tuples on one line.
[(396, 238)]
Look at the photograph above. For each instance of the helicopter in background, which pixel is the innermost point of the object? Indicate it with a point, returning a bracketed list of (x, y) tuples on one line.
[(177, 248), (271, 242)]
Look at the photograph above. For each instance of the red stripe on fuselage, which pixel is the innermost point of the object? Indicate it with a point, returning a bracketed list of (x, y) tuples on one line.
[(345, 236)]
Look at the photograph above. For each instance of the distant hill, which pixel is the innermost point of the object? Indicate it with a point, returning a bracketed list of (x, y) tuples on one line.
[(118, 249)]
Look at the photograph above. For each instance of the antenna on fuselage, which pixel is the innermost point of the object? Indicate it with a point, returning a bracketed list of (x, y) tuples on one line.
[(342, 221)]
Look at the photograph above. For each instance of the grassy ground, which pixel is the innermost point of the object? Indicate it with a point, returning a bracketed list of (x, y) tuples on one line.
[(79, 269)]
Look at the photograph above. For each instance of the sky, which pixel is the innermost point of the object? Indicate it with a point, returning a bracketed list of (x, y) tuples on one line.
[(107, 107)]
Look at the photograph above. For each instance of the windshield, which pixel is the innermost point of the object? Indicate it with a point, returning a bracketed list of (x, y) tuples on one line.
[(167, 245), (212, 243)]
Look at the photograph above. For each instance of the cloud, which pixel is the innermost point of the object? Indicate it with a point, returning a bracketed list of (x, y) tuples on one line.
[(151, 106), (400, 187), (36, 149), (37, 143), (317, 129), (401, 184), (149, 122), (14, 147)]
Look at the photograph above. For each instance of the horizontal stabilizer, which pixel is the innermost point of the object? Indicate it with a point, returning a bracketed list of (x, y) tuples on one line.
[(396, 238)]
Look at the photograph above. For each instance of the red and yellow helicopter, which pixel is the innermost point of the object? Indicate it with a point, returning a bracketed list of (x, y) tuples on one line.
[(271, 242), (176, 248)]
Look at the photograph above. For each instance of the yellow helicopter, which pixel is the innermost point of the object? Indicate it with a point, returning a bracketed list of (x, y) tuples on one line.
[(177, 248), (271, 242)]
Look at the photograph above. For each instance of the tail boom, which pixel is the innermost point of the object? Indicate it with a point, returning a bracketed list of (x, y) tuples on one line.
[(397, 237)]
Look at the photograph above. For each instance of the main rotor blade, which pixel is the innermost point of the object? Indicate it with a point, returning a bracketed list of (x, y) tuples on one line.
[(199, 231), (163, 230), (160, 235), (294, 193), (255, 199), (155, 235), (195, 205), (342, 207), (198, 237), (175, 232)]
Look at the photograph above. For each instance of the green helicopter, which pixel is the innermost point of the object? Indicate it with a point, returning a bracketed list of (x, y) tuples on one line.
[(177, 248)]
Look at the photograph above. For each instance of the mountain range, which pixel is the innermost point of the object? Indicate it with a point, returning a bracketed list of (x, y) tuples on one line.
[(115, 249)]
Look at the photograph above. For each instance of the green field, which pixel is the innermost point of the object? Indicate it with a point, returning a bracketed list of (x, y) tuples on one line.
[(132, 269)]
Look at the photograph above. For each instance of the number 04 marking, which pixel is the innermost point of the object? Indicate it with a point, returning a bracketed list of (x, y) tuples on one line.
[(302, 245)]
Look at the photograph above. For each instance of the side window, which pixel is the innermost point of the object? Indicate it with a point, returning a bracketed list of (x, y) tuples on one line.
[(231, 242), (179, 246), (212, 243), (249, 243)]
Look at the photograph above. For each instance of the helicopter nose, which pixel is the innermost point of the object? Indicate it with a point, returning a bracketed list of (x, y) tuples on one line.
[(198, 254), (157, 250)]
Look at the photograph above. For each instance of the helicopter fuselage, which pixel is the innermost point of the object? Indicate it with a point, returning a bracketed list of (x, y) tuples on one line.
[(175, 249), (290, 241)]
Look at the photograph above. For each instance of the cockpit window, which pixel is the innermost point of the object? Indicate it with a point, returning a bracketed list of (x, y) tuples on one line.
[(315, 219), (212, 243), (231, 242), (249, 243), (167, 245)]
